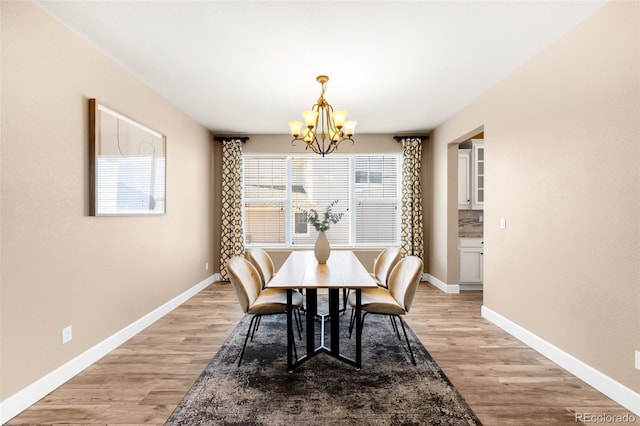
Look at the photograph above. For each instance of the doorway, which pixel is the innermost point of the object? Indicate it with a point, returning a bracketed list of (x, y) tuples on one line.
[(466, 229)]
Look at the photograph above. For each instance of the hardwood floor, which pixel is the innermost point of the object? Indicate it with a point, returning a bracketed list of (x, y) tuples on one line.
[(141, 382)]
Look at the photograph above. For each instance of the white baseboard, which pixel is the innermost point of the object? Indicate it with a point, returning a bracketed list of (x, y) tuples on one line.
[(20, 401), (603, 383), (446, 288), (471, 287)]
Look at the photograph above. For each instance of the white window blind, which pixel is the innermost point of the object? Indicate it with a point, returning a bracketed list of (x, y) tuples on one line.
[(130, 184), (278, 190), (377, 196), (315, 183), (265, 196)]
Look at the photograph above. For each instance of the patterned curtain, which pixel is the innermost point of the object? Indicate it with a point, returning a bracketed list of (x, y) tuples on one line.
[(411, 237), (231, 242)]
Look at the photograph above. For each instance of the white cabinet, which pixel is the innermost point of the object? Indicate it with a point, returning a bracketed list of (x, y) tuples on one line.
[(464, 179), (477, 185), (471, 176), (470, 260)]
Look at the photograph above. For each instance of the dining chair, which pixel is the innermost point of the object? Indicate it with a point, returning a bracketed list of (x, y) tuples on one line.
[(256, 301), (263, 263), (395, 300), (383, 265)]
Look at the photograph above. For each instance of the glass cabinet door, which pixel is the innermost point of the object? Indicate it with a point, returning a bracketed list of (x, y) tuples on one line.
[(478, 176)]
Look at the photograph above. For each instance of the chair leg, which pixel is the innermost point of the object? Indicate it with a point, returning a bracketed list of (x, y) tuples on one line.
[(345, 295), (407, 339), (394, 326), (353, 323), (296, 315), (255, 326), (301, 323), (249, 332), (295, 352)]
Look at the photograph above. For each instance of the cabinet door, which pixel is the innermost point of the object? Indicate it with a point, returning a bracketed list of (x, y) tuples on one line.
[(470, 265), (464, 179), (477, 195)]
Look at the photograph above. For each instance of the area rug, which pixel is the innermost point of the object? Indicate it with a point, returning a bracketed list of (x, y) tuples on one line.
[(388, 390)]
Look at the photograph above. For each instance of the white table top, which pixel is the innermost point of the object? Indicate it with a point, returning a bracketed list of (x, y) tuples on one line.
[(342, 270)]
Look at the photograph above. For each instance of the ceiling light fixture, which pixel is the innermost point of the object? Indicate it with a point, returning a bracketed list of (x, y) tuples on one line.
[(324, 137)]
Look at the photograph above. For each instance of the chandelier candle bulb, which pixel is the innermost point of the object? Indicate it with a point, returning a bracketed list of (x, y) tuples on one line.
[(350, 128), (310, 118), (338, 118), (296, 127)]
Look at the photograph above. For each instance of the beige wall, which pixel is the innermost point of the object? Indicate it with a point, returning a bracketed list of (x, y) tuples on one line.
[(562, 160), (216, 203), (281, 144), (60, 266)]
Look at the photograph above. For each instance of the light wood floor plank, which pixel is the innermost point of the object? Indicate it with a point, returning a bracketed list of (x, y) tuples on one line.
[(141, 382)]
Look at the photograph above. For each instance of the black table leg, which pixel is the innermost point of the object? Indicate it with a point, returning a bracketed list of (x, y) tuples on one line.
[(290, 336), (334, 317), (334, 310), (358, 329), (312, 310)]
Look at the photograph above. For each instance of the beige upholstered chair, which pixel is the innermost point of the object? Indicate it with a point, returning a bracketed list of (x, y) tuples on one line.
[(263, 263), (397, 299), (383, 265), (253, 299)]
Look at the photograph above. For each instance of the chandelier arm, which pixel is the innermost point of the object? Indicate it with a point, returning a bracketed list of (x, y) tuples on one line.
[(320, 148), (342, 139), (332, 148), (332, 124)]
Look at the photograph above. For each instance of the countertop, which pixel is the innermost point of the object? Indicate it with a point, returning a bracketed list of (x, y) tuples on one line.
[(470, 234)]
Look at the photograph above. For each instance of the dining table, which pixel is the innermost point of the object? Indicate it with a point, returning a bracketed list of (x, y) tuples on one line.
[(342, 271)]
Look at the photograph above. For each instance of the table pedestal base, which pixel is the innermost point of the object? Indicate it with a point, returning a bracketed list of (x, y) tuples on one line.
[(334, 339)]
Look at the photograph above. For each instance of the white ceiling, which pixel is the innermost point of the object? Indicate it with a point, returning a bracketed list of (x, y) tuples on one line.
[(250, 67)]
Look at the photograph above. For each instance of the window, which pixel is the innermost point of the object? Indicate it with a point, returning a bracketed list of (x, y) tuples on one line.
[(377, 199), (265, 197), (301, 223), (279, 190)]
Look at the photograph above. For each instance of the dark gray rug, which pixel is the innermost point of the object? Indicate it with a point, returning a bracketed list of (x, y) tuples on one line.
[(388, 390)]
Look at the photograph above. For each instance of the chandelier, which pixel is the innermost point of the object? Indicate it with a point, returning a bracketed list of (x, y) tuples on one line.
[(325, 128)]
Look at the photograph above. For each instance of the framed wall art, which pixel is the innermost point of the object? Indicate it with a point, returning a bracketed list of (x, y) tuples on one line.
[(127, 162)]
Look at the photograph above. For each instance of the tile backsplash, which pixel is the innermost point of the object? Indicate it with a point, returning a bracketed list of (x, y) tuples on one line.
[(470, 223)]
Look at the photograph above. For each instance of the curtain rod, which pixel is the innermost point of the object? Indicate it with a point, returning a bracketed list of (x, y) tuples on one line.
[(243, 139), (421, 137)]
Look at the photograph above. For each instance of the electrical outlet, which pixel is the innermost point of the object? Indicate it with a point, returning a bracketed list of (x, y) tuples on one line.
[(206, 266), (638, 360), (67, 334)]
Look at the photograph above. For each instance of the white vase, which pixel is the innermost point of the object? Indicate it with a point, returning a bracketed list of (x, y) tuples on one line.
[(322, 249)]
